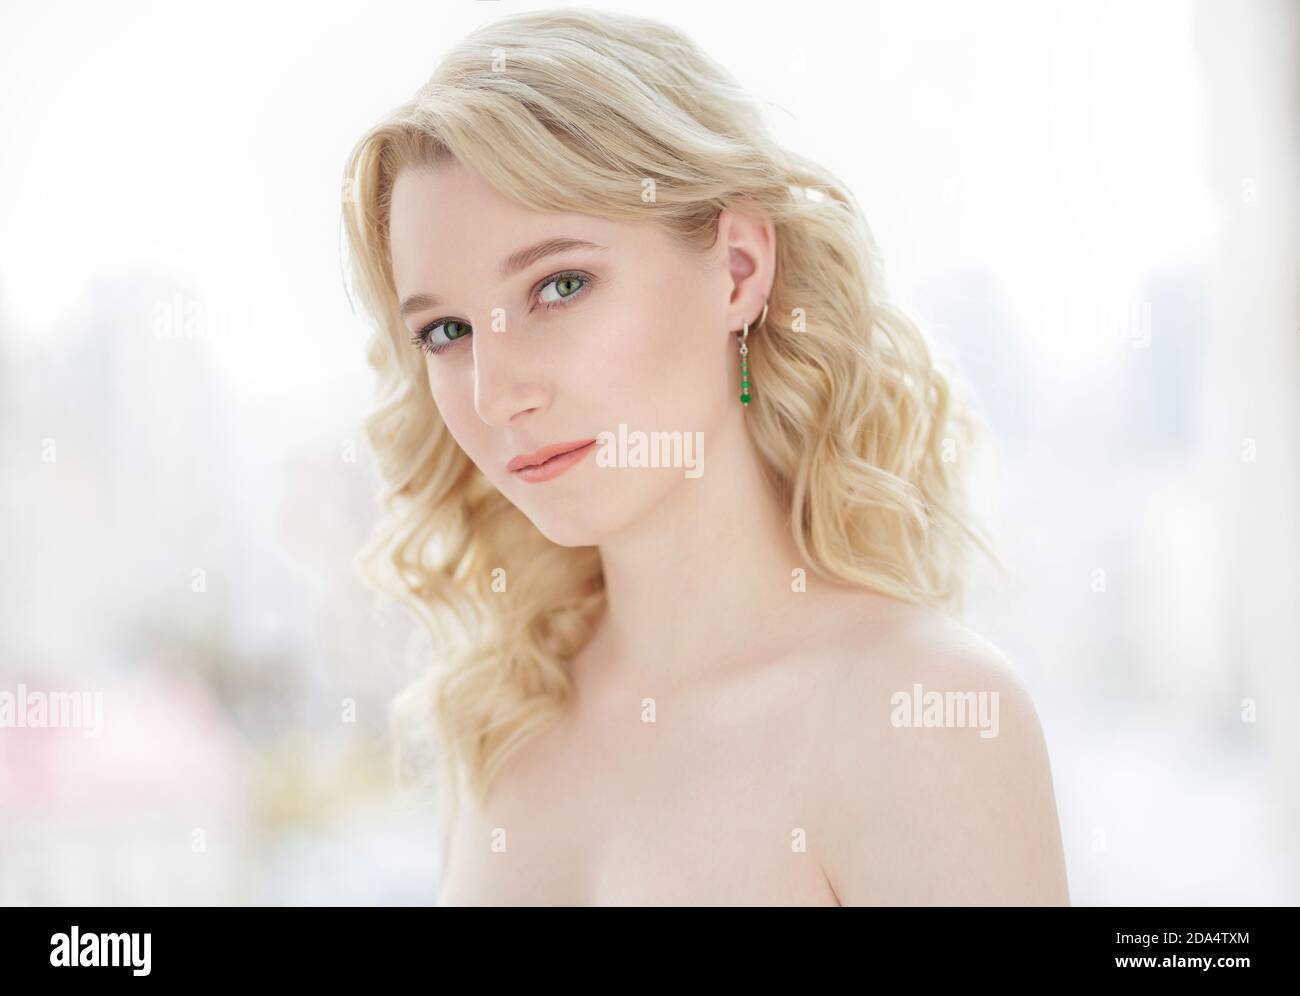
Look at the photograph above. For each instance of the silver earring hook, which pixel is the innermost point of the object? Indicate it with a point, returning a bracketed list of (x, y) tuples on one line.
[(745, 334)]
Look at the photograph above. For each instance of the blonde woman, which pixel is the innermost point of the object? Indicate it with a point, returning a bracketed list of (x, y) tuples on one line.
[(678, 495)]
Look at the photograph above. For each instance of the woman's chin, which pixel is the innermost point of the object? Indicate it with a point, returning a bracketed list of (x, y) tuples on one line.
[(571, 534)]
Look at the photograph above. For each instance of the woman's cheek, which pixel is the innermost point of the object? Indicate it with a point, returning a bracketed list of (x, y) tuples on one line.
[(456, 408)]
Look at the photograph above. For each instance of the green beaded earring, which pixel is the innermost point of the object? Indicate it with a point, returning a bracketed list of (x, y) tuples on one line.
[(744, 357)]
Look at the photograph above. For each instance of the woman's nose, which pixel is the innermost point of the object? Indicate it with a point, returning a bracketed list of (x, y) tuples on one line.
[(505, 385)]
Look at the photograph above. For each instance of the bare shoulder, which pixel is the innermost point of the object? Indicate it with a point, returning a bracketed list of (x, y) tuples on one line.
[(935, 782)]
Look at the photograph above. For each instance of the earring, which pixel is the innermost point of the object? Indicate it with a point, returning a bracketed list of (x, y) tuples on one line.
[(744, 357)]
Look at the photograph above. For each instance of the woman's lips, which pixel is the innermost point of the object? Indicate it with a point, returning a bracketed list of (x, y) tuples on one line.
[(545, 453), (554, 466)]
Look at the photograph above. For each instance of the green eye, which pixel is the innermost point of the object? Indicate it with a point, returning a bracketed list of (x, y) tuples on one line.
[(462, 327), (427, 340), (566, 285)]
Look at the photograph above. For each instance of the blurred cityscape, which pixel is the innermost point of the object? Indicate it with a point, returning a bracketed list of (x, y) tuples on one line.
[(175, 548)]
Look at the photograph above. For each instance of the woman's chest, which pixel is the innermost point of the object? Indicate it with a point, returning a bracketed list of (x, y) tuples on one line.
[(689, 805)]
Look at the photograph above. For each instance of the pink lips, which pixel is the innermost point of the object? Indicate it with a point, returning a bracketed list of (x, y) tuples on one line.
[(550, 461)]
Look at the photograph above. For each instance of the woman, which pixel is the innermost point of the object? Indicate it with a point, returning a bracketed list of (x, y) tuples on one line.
[(679, 496)]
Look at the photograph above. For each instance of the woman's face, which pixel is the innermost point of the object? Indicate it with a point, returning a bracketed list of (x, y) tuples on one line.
[(532, 351)]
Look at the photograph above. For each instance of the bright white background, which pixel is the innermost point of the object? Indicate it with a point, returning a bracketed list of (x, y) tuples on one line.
[(1092, 206)]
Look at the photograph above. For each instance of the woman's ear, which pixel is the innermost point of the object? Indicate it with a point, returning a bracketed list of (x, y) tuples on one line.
[(749, 241)]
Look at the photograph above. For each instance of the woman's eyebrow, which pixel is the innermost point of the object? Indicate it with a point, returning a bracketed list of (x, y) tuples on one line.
[(511, 265), (525, 258)]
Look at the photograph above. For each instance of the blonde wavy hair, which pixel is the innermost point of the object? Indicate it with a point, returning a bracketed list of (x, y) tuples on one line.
[(573, 111)]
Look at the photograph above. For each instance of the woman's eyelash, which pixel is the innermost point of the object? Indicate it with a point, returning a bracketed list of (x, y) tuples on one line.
[(421, 338)]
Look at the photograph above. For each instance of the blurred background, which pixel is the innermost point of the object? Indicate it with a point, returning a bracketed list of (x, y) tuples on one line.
[(1092, 207)]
